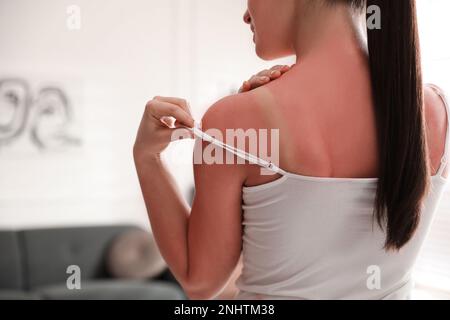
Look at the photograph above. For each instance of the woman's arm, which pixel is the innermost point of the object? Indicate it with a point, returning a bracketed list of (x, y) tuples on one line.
[(231, 290), (201, 245), (168, 213)]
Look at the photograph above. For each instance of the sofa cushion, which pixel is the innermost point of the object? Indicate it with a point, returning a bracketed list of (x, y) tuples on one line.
[(114, 290), (11, 268), (135, 255), (49, 252)]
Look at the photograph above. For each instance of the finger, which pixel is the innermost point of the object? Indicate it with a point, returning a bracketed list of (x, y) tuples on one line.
[(270, 72), (285, 69), (278, 70), (159, 109), (275, 71), (168, 121), (258, 80), (263, 73), (184, 104), (277, 67), (246, 86), (282, 68), (261, 77), (275, 74)]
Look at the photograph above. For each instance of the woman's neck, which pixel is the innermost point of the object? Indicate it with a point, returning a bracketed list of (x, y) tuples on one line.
[(331, 33)]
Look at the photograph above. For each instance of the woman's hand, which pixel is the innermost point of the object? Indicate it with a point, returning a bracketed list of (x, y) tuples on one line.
[(162, 116), (264, 77)]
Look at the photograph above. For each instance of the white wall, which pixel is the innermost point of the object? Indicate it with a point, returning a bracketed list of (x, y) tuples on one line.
[(433, 267), (125, 53)]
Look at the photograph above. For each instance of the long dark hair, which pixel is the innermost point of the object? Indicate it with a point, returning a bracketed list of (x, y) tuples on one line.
[(397, 88)]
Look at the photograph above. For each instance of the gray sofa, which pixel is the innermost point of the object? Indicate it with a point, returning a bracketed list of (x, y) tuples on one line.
[(33, 265)]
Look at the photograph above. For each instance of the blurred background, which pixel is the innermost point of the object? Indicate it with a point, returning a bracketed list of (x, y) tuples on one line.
[(74, 80)]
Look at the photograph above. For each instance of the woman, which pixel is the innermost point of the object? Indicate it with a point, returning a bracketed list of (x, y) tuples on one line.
[(363, 148)]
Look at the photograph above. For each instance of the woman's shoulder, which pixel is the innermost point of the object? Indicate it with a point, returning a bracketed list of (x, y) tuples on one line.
[(435, 98), (237, 111), (436, 110), (436, 123)]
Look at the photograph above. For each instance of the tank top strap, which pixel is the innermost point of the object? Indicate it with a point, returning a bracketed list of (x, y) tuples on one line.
[(446, 157), (197, 131)]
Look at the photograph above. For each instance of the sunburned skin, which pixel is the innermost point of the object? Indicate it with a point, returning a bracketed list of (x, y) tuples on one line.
[(326, 121), (325, 117), (322, 106)]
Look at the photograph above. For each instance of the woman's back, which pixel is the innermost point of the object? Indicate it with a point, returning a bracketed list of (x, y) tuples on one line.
[(355, 151), (326, 120), (316, 221)]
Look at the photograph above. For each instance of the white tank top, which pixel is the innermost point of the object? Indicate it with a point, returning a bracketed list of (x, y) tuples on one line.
[(314, 238)]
